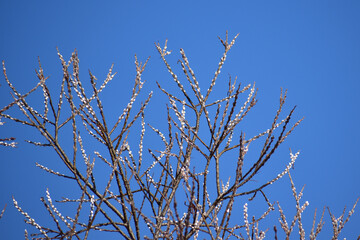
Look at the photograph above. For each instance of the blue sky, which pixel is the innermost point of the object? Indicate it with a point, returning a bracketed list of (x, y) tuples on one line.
[(311, 48)]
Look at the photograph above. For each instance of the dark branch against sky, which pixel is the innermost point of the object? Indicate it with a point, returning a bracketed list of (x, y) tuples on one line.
[(310, 48)]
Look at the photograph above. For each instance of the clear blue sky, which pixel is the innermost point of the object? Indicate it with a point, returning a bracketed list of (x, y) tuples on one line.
[(311, 48)]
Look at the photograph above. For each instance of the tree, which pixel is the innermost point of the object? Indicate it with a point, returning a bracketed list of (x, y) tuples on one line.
[(166, 189)]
